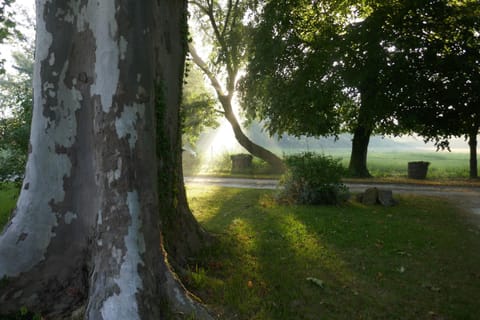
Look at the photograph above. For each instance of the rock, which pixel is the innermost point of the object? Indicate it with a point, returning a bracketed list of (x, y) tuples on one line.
[(370, 196), (385, 198), (373, 196)]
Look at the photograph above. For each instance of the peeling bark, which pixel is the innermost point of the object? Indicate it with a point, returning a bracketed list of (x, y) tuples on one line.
[(87, 231)]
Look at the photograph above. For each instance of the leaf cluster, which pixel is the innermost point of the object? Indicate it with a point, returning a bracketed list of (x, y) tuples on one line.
[(223, 26), (16, 105), (323, 67), (313, 179), (439, 92), (7, 25), (198, 107)]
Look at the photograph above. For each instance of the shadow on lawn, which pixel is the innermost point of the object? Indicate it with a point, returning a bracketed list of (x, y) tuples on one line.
[(371, 262), (273, 253)]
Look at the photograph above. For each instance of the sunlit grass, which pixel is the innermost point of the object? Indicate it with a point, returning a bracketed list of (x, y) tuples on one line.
[(418, 260)]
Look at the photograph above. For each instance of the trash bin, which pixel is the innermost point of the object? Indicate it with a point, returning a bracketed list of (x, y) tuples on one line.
[(418, 169), (241, 163)]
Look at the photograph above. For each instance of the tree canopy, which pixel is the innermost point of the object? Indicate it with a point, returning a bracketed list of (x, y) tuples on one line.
[(323, 67)]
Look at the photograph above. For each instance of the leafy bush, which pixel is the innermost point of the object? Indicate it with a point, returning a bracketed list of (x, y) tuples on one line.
[(12, 166), (313, 179)]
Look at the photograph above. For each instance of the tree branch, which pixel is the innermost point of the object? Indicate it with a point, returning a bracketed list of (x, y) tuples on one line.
[(206, 70)]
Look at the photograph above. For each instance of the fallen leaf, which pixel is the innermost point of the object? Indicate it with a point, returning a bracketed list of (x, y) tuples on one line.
[(316, 281)]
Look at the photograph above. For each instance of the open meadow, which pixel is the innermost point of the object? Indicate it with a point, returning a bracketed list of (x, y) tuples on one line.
[(381, 163)]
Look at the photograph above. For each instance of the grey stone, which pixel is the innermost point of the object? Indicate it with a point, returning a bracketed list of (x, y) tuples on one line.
[(370, 196), (385, 197)]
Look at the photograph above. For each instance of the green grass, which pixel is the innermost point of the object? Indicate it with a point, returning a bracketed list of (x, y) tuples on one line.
[(8, 198), (381, 164), (442, 164), (418, 260), (393, 164)]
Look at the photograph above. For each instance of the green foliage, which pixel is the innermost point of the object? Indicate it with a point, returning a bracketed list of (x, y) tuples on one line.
[(223, 27), (439, 90), (7, 25), (16, 105), (388, 67), (313, 179), (197, 108)]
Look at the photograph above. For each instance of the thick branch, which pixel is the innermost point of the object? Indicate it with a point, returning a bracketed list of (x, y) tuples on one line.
[(206, 70)]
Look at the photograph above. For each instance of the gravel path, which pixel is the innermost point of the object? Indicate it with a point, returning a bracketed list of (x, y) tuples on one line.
[(467, 198)]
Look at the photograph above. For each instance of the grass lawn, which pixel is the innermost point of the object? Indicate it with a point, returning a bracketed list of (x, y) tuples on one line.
[(8, 198), (419, 260)]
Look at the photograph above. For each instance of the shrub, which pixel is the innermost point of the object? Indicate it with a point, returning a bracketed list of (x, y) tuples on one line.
[(313, 179), (12, 166)]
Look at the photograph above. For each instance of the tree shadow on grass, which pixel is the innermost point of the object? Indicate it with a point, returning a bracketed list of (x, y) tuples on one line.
[(369, 261), (271, 255)]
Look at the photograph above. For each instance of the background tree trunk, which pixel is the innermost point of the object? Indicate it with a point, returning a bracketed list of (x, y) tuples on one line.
[(472, 143), (358, 157), (87, 227), (226, 101)]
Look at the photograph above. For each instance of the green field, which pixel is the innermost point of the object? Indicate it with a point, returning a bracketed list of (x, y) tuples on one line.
[(384, 162), (442, 164), (418, 260), (381, 163)]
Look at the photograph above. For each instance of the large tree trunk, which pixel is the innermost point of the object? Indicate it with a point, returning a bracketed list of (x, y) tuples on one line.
[(472, 142), (182, 234), (87, 230), (358, 157)]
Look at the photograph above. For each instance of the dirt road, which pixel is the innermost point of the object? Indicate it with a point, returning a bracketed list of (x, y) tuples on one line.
[(467, 198)]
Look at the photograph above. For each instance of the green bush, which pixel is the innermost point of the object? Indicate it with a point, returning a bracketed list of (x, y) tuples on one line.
[(313, 179), (12, 165)]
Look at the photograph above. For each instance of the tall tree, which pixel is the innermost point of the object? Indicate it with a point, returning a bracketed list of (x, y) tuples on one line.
[(87, 229), (328, 66), (317, 68), (223, 23), (438, 92)]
